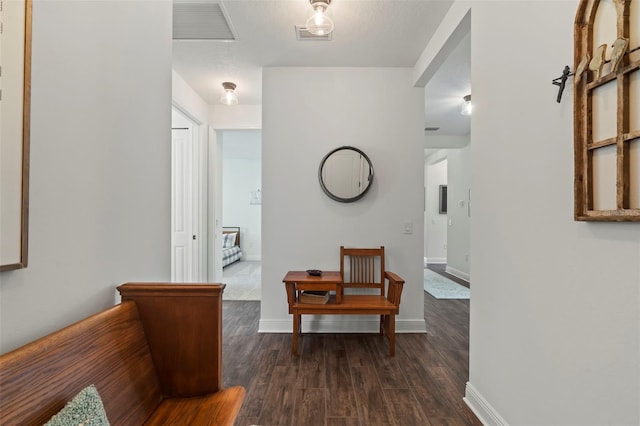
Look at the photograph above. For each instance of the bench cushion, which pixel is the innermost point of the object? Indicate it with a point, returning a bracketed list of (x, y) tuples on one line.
[(220, 408)]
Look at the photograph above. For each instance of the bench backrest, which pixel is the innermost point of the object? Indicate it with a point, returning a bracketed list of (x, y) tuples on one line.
[(108, 350), (183, 326), (362, 267)]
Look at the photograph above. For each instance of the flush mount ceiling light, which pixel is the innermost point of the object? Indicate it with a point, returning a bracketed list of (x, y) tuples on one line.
[(466, 107), (229, 97), (319, 24)]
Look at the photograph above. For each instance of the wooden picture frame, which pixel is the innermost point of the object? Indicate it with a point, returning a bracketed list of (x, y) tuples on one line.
[(15, 107), (606, 111)]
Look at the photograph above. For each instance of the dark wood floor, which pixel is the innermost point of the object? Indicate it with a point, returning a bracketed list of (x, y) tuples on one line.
[(349, 379)]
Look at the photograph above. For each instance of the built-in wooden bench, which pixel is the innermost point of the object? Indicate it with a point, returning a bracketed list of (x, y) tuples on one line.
[(155, 359), (365, 269)]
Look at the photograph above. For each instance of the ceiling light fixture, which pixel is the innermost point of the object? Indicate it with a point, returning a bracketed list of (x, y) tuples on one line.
[(229, 97), (466, 107), (319, 24)]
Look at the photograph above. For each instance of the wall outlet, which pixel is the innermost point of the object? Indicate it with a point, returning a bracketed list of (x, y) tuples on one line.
[(466, 257), (445, 246)]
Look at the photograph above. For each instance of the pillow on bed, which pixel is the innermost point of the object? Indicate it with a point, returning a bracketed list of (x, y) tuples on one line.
[(229, 240)]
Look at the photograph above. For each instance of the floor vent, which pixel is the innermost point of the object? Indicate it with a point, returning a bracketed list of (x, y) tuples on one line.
[(431, 129), (200, 21), (302, 34)]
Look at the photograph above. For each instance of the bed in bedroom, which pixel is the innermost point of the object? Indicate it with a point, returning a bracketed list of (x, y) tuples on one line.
[(230, 245)]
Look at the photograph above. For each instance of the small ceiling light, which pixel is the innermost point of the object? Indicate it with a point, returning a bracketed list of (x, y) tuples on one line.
[(466, 107), (229, 97), (319, 24)]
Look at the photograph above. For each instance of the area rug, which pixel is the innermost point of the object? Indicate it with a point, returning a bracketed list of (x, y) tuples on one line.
[(442, 287)]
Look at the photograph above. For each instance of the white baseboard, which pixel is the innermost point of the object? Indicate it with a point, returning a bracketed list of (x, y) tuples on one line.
[(434, 260), (481, 407), (458, 273), (340, 324)]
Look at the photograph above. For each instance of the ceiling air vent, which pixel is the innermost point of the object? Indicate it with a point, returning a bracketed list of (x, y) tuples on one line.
[(431, 129), (302, 34), (200, 21)]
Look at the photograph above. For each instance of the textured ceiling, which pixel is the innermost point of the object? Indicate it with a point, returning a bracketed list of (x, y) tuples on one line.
[(369, 33)]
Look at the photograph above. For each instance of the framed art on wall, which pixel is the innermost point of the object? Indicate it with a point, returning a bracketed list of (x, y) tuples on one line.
[(15, 80)]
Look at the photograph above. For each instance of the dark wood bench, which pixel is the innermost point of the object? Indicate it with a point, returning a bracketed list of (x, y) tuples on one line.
[(155, 359), (364, 269)]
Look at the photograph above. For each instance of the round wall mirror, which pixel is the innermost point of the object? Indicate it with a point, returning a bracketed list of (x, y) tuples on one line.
[(345, 174)]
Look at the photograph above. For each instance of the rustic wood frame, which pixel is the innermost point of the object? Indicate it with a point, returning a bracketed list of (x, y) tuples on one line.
[(584, 145)]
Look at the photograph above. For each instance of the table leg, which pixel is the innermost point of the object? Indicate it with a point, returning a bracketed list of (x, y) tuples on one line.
[(296, 331)]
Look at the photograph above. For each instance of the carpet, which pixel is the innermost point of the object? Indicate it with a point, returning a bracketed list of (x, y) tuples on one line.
[(243, 281), (442, 287)]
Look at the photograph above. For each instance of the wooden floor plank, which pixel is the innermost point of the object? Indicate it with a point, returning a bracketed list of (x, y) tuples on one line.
[(341, 397), (343, 421), (389, 371), (278, 405), (372, 406), (309, 407), (405, 409), (312, 364)]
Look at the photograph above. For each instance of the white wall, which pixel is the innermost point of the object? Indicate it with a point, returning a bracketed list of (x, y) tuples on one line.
[(458, 231), (187, 100), (241, 174), (100, 162), (435, 238), (308, 112), (555, 318), (236, 117)]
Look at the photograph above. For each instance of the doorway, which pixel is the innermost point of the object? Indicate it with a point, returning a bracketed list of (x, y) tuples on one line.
[(241, 200), (435, 218)]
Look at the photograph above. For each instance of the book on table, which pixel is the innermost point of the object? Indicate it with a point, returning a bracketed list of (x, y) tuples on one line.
[(313, 296)]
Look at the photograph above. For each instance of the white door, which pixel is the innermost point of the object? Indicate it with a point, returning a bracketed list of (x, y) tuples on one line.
[(181, 202)]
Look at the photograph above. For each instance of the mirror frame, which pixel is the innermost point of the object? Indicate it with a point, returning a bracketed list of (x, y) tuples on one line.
[(369, 177)]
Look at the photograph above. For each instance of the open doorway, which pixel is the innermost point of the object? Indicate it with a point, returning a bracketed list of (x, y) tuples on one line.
[(435, 214), (241, 164), (448, 165)]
